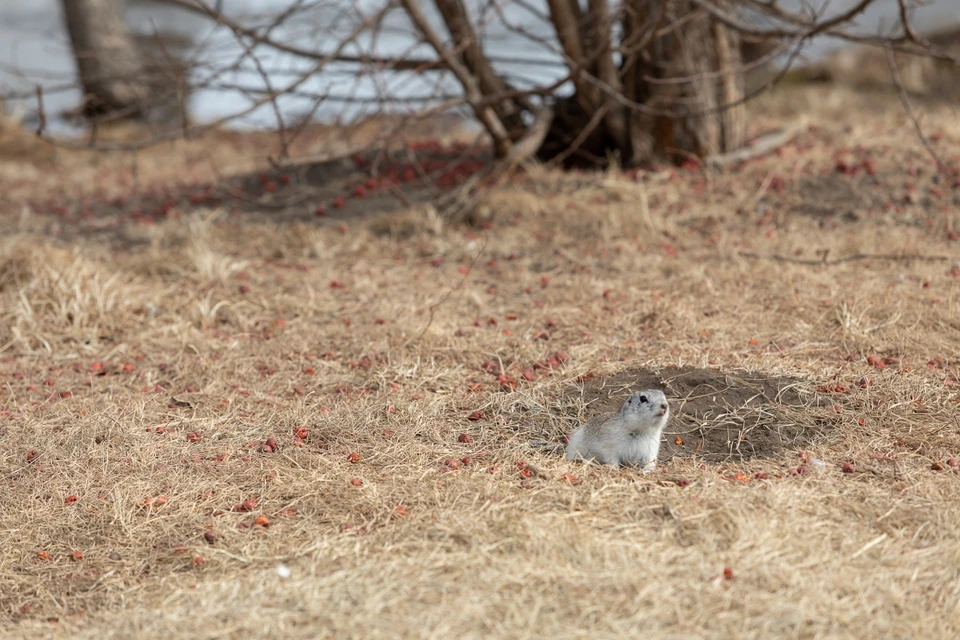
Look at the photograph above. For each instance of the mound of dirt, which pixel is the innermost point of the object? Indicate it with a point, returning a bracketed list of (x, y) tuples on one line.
[(718, 415)]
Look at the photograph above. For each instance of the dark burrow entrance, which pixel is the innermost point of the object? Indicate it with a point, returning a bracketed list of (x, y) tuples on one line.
[(715, 415)]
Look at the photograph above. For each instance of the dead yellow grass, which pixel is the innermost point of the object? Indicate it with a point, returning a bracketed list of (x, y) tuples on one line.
[(156, 363)]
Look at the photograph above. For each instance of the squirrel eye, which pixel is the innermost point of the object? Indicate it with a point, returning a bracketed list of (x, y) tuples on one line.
[(643, 398)]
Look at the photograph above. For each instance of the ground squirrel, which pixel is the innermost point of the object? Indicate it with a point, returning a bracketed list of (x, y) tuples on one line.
[(631, 437)]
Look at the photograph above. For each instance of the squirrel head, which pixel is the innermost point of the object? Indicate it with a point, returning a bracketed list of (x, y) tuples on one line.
[(649, 405)]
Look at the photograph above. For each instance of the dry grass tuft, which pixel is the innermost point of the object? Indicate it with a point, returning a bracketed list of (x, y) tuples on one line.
[(19, 145), (226, 425), (408, 224), (505, 205)]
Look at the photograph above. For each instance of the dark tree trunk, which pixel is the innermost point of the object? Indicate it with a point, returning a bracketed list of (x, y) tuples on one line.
[(688, 80), (108, 60), (692, 78)]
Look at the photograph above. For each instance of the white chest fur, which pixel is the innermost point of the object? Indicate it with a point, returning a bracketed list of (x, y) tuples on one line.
[(640, 449)]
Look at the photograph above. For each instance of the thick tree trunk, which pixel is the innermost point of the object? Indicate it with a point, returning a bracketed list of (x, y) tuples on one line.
[(684, 70), (108, 61), (693, 80)]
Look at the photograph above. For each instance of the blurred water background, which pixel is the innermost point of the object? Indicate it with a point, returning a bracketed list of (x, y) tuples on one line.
[(35, 50)]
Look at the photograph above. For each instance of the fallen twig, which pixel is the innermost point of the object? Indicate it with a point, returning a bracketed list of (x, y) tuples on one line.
[(853, 258), (762, 146)]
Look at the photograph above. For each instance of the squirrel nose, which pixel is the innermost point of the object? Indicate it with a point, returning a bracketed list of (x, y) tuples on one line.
[(663, 407)]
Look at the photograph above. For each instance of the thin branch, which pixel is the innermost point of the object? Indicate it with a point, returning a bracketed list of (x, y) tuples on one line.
[(582, 136), (811, 30), (41, 113), (397, 63), (907, 24), (198, 129), (901, 44), (271, 93), (526, 148), (913, 257), (908, 107), (484, 113)]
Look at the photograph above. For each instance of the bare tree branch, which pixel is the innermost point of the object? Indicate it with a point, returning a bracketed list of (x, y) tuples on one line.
[(485, 113), (908, 107)]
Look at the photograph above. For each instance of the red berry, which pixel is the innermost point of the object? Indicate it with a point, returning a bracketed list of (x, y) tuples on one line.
[(247, 505), (570, 479)]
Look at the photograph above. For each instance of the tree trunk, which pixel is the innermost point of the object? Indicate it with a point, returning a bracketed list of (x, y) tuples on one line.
[(684, 69), (108, 61), (694, 78)]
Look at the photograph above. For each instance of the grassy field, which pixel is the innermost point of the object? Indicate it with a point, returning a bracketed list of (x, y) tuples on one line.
[(251, 422)]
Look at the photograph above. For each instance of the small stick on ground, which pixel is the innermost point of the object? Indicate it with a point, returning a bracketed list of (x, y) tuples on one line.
[(762, 146), (856, 257)]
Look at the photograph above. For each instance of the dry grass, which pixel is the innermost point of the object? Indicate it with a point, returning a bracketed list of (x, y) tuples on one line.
[(113, 353)]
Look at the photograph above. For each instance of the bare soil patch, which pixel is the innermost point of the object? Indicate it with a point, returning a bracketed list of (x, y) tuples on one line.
[(718, 416)]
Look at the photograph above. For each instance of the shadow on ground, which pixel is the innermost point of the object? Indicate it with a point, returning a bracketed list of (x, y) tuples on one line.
[(328, 193)]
